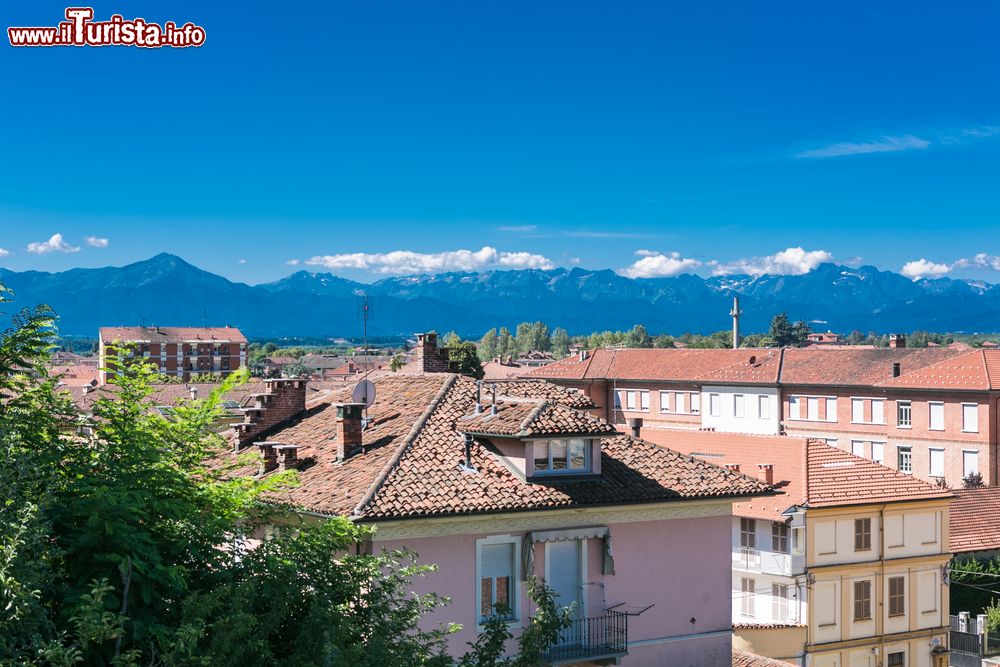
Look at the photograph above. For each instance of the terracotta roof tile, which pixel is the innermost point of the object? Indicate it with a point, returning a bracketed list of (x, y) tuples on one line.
[(708, 365), (809, 472), (526, 417), (975, 520), (854, 367), (542, 390), (745, 659), (172, 334), (414, 447)]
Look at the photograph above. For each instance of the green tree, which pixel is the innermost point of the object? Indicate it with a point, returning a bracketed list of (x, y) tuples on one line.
[(465, 360), (786, 334), (397, 362), (637, 336), (488, 345), (505, 343), (450, 339), (663, 341), (560, 342)]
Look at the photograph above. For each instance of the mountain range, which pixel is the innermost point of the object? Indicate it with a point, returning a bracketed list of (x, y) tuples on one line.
[(166, 290)]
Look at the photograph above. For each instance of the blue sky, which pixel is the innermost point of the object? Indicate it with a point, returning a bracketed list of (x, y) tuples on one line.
[(372, 138)]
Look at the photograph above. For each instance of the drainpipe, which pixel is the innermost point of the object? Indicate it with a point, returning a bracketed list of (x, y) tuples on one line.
[(880, 625)]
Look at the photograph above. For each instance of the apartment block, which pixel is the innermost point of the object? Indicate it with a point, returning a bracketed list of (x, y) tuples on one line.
[(179, 352), (847, 568), (929, 412)]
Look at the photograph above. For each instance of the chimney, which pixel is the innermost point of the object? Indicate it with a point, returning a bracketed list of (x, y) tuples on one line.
[(897, 341), (428, 356), (735, 467), (583, 355), (269, 457), (193, 392), (348, 429), (768, 472), (287, 456), (283, 400), (635, 424), (735, 313), (895, 369)]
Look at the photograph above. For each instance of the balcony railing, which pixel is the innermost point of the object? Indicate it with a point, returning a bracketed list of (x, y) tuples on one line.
[(746, 558), (591, 639)]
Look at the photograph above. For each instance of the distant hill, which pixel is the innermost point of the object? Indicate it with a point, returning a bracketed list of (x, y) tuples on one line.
[(167, 290)]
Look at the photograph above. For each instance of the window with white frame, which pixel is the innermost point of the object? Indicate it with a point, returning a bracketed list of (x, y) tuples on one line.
[(779, 603), (739, 405), (878, 452), (747, 596), (904, 414), (665, 401), (812, 408), (831, 409), (779, 537), (858, 447), (644, 400), (970, 462), (905, 459), (794, 407), (748, 533), (936, 410), (571, 455), (764, 406), (695, 403), (970, 417), (714, 405), (936, 463), (496, 563), (798, 540), (857, 410)]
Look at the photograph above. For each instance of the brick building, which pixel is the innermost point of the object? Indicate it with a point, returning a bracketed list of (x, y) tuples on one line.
[(931, 412), (180, 352)]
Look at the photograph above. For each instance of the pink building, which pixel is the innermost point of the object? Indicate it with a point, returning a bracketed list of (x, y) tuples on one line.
[(495, 482)]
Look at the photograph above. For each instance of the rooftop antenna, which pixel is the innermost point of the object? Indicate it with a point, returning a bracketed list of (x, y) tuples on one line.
[(736, 312), (366, 311)]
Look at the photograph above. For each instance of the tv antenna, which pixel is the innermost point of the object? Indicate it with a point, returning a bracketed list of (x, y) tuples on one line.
[(366, 313)]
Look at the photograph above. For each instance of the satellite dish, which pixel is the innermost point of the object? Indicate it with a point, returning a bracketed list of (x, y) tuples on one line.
[(753, 359), (364, 392)]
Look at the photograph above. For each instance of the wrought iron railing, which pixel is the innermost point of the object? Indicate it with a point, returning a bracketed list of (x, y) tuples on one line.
[(596, 637)]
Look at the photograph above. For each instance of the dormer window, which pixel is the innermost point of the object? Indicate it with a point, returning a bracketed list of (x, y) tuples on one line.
[(561, 456)]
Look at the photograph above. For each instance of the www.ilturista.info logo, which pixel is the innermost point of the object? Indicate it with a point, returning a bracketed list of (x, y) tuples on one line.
[(79, 29)]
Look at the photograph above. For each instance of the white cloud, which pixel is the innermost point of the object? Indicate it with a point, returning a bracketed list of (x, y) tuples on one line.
[(292, 262), (242, 261), (886, 144), (921, 268), (791, 261), (659, 265), (518, 229), (403, 262), (4, 252), (55, 244), (96, 242), (980, 261)]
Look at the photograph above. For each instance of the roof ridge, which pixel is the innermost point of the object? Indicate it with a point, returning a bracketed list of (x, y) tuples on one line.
[(533, 415), (403, 446)]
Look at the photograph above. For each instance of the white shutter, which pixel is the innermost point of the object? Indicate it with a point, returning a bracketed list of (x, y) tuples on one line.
[(831, 409), (764, 406), (878, 412), (825, 603), (812, 408), (644, 401), (793, 407), (858, 447), (496, 560), (664, 401), (937, 416), (878, 452), (970, 417), (739, 405), (857, 410), (970, 463), (937, 463), (695, 403)]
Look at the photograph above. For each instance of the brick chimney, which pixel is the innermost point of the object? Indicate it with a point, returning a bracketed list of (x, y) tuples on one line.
[(348, 429), (897, 341), (635, 425), (269, 457), (735, 467), (288, 456), (429, 357), (282, 400), (767, 472)]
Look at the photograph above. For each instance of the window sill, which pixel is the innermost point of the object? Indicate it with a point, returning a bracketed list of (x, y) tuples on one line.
[(904, 428), (964, 431), (481, 627)]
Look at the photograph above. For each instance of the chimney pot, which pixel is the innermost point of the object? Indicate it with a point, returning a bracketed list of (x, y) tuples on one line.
[(287, 456), (895, 369), (193, 392), (768, 471), (635, 424), (269, 456), (735, 467), (897, 341)]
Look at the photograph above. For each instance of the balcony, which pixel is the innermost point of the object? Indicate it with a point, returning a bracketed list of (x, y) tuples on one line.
[(591, 640), (768, 562), (745, 558)]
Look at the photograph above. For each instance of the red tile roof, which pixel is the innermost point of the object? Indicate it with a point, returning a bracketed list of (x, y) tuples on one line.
[(526, 418), (172, 334), (745, 366), (809, 472), (920, 368), (975, 520), (75, 376), (745, 659), (414, 448)]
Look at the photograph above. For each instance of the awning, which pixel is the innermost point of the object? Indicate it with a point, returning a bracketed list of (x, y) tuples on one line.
[(602, 533)]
